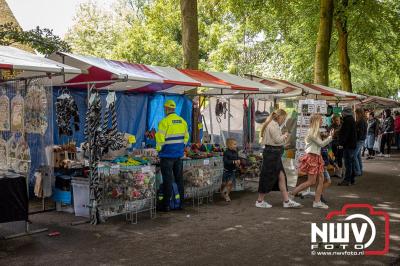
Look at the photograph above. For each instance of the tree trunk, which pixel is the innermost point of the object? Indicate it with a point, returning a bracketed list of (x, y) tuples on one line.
[(321, 64), (190, 34), (343, 53)]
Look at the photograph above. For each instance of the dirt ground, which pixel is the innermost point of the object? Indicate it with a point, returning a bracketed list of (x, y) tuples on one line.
[(219, 234)]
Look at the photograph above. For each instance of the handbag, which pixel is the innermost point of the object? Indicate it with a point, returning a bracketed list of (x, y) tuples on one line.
[(377, 143)]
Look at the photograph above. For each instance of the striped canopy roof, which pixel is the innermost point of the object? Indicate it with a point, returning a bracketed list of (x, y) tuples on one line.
[(293, 89), (12, 58), (123, 76)]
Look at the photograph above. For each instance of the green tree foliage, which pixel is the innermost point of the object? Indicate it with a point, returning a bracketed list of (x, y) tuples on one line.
[(42, 40), (272, 38)]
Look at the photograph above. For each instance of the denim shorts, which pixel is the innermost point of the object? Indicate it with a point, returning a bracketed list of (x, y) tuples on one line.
[(326, 175), (229, 176)]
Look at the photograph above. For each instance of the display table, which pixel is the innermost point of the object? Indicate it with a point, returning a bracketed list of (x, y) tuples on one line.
[(14, 203), (13, 199)]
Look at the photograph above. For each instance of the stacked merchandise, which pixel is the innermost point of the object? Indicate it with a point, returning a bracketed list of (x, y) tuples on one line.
[(126, 189), (202, 151), (202, 177), (250, 168), (306, 109)]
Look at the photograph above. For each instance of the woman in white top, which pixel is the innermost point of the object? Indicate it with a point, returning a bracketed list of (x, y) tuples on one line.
[(273, 177), (312, 163)]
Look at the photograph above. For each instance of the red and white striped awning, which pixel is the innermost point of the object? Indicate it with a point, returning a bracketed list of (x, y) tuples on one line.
[(12, 58), (379, 102), (123, 76), (293, 89)]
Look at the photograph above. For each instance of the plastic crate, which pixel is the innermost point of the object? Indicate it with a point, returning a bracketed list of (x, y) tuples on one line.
[(62, 196), (81, 198)]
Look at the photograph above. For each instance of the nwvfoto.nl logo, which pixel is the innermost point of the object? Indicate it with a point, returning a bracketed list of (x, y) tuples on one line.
[(351, 234)]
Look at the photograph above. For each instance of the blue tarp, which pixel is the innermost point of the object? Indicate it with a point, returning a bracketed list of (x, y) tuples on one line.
[(155, 112), (131, 114)]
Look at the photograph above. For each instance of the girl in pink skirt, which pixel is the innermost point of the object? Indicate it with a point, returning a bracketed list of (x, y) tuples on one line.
[(312, 163)]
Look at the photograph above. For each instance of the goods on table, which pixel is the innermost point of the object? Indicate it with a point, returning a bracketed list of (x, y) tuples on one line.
[(201, 151), (126, 189)]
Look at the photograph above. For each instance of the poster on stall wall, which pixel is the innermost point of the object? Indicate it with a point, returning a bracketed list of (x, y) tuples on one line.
[(4, 113), (3, 154), (17, 114), (36, 110)]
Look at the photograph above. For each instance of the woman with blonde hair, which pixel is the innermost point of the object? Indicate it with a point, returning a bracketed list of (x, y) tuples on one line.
[(312, 162), (273, 177)]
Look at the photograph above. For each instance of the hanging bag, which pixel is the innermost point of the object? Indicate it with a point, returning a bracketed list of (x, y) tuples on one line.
[(260, 117), (377, 143)]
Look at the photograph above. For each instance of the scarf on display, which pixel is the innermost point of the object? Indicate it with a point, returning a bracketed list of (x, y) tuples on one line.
[(92, 133), (110, 137), (248, 123), (66, 109)]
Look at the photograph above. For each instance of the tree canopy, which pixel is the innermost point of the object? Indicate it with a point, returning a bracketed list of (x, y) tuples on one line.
[(268, 38), (42, 40)]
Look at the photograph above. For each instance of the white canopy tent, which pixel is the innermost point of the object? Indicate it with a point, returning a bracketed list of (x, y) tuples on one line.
[(32, 65)]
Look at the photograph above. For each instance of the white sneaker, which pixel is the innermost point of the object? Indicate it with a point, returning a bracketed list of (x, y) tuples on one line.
[(263, 204), (320, 205), (291, 204), (387, 155)]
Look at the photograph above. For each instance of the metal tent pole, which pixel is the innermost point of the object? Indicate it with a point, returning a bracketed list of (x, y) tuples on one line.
[(229, 117)]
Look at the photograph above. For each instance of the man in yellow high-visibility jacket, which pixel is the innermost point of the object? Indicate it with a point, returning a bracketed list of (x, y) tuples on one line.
[(171, 138)]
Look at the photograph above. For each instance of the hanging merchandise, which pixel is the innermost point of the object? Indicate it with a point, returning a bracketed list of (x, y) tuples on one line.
[(36, 120), (220, 109), (4, 112), (17, 113), (245, 123), (252, 127), (110, 138), (23, 156), (260, 117), (19, 157), (94, 149), (66, 109), (3, 154), (116, 139)]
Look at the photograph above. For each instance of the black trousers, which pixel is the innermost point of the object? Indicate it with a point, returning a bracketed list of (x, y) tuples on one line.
[(338, 153), (171, 170), (386, 141)]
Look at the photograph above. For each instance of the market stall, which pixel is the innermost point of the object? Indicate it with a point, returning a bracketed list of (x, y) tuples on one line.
[(301, 101), (104, 78), (26, 130)]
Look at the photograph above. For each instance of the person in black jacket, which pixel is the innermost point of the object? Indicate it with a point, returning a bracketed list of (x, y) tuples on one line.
[(231, 162), (361, 130), (387, 132), (348, 142)]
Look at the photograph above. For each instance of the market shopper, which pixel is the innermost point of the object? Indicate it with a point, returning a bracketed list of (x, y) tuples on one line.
[(231, 163), (273, 176), (361, 130), (336, 124), (372, 134), (312, 162), (348, 142), (171, 138), (387, 132), (397, 129)]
